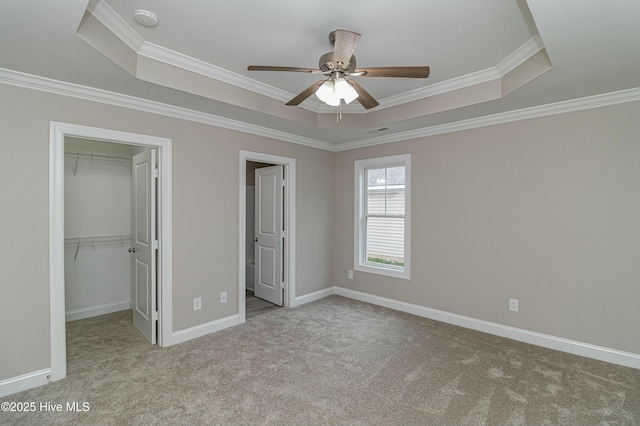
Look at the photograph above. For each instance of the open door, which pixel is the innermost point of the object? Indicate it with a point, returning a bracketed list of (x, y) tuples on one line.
[(269, 268), (145, 244)]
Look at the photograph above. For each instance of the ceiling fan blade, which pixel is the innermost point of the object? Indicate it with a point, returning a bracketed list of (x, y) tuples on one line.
[(306, 93), (405, 72), (344, 46), (365, 99), (277, 68)]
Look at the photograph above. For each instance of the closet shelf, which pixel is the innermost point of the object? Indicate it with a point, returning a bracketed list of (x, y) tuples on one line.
[(94, 155), (103, 239), (98, 239)]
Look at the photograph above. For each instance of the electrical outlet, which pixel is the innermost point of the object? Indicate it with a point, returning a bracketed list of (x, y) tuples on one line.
[(197, 304), (350, 274), (223, 297), (513, 305)]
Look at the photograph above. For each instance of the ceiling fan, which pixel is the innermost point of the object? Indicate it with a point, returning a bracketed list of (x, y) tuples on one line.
[(339, 64)]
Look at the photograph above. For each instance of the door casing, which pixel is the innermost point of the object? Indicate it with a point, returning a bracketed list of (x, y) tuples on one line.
[(58, 133), (289, 252)]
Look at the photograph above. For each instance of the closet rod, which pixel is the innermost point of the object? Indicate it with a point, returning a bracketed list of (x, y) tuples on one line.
[(99, 155), (98, 239), (95, 240)]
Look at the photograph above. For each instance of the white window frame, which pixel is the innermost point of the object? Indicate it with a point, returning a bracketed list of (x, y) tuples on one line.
[(360, 262)]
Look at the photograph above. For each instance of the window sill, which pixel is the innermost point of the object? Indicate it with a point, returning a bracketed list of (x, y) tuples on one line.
[(388, 272)]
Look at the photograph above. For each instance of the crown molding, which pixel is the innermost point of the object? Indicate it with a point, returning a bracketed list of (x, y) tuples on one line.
[(516, 58), (114, 23), (589, 102), (442, 87), (171, 57), (19, 79), (423, 92), (121, 29), (520, 55), (530, 48)]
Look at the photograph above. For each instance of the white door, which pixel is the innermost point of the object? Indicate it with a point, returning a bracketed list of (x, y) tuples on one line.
[(269, 269), (144, 246)]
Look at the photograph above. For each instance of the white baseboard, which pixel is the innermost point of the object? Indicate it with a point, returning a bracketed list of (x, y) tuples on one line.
[(203, 329), (94, 311), (613, 356), (24, 382), (316, 295)]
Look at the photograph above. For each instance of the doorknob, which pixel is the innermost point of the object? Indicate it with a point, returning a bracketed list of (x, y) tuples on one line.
[(255, 239), (132, 249)]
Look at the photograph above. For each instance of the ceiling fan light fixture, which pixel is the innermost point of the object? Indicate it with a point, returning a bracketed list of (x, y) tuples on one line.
[(333, 91), (345, 91), (326, 93)]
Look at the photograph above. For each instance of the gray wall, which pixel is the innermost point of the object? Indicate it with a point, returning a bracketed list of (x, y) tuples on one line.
[(544, 210), (97, 202), (205, 232)]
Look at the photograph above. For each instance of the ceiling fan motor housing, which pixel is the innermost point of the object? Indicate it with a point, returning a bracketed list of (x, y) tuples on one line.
[(326, 64)]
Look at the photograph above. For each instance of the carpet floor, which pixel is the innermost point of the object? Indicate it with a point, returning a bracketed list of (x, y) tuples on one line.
[(333, 361)]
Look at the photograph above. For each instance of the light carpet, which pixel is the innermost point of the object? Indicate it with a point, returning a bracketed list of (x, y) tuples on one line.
[(334, 361)]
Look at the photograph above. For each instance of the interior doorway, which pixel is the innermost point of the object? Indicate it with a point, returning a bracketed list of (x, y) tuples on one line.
[(264, 201), (110, 215), (278, 254), (161, 246)]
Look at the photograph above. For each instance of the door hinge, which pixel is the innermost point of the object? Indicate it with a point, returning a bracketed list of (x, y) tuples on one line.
[(156, 173), (155, 316), (156, 244)]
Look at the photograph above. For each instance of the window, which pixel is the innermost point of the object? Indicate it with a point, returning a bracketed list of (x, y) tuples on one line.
[(382, 210)]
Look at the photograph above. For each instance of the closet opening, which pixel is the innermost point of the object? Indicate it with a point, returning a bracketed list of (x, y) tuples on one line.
[(108, 219), (110, 234)]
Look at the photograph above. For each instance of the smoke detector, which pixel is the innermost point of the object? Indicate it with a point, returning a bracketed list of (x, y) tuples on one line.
[(146, 18)]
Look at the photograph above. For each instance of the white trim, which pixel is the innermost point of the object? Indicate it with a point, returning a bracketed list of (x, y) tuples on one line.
[(440, 88), (204, 329), (530, 48), (359, 263), (121, 29), (188, 63), (588, 350), (58, 132), (312, 297), (93, 311), (24, 382), (57, 320), (19, 79), (114, 23), (290, 225), (589, 102)]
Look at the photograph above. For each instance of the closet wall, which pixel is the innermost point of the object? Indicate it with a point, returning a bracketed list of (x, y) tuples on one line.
[(97, 227)]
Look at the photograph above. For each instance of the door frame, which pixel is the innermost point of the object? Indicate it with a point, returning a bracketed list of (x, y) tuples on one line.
[(289, 252), (58, 133)]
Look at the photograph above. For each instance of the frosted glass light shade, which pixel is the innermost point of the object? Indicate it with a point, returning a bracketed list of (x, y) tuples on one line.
[(344, 90), (327, 94), (331, 92)]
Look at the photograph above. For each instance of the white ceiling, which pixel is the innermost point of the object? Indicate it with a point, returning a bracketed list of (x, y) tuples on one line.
[(474, 48)]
